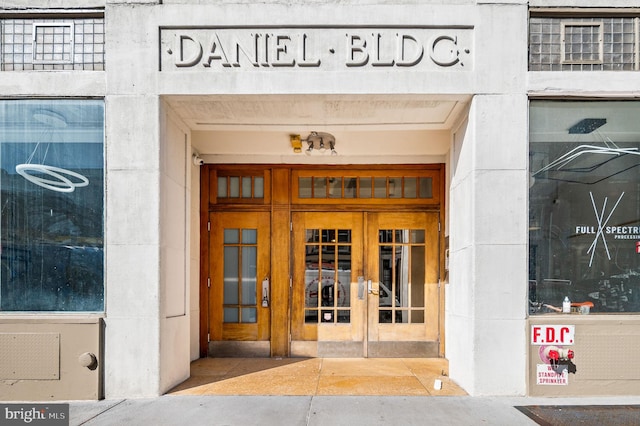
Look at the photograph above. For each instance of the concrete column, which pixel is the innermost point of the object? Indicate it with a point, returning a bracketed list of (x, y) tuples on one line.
[(487, 294)]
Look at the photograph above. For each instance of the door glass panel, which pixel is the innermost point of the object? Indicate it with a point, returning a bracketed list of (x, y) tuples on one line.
[(417, 236), (246, 187), (231, 315), (249, 315), (304, 187), (385, 316), (417, 317), (258, 187), (312, 275), (222, 187), (395, 187), (319, 187), (234, 187), (410, 188), (365, 187), (426, 187), (249, 236), (328, 258), (231, 236), (417, 276), (385, 236), (350, 186), (380, 187), (240, 266), (402, 275), (230, 275), (327, 275), (335, 187), (249, 260)]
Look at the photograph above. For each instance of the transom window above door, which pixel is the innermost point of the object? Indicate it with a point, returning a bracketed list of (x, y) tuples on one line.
[(370, 187)]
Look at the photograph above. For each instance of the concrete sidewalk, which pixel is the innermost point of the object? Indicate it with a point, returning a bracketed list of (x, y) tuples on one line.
[(318, 410)]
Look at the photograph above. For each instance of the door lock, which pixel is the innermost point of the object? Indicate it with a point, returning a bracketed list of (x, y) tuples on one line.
[(371, 289)]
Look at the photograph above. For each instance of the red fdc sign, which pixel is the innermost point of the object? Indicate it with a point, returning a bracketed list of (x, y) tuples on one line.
[(552, 334)]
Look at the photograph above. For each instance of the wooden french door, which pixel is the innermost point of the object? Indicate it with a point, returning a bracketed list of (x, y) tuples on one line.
[(239, 299), (328, 314), (365, 284), (403, 296)]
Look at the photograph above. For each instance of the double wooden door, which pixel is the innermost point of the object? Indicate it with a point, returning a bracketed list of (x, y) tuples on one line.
[(365, 284)]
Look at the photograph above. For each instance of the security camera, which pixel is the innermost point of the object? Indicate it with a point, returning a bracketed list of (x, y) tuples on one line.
[(197, 160)]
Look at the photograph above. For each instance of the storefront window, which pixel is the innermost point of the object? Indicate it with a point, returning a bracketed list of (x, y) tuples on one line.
[(584, 205), (51, 155)]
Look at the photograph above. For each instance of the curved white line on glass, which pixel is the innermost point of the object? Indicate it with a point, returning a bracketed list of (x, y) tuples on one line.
[(60, 181)]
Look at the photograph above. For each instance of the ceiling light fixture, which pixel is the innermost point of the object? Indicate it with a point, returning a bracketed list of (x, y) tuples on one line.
[(316, 141)]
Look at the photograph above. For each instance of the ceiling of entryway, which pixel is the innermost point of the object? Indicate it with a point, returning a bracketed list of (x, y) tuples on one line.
[(330, 112)]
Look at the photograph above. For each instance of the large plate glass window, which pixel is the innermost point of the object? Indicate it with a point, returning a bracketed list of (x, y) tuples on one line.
[(51, 155), (584, 205)]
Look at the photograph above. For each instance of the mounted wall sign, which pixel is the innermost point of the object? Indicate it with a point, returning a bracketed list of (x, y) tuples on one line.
[(332, 48)]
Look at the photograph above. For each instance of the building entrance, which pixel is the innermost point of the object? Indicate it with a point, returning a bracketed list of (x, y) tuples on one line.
[(330, 263), (365, 284)]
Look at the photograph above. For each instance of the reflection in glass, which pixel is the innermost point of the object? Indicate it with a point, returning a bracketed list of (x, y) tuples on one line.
[(335, 187), (402, 275), (312, 281), (344, 235), (310, 316), (417, 236), (328, 236), (327, 275), (350, 187), (328, 256), (395, 187), (402, 236), (319, 187), (584, 206), (385, 236), (52, 163), (385, 316)]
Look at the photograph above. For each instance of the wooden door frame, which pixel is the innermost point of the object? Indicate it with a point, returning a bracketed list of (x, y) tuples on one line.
[(279, 201)]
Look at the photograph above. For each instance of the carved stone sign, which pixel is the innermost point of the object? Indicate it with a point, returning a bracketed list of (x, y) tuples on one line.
[(334, 49)]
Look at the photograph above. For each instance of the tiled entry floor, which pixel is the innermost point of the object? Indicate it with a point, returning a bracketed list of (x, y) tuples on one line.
[(318, 376)]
